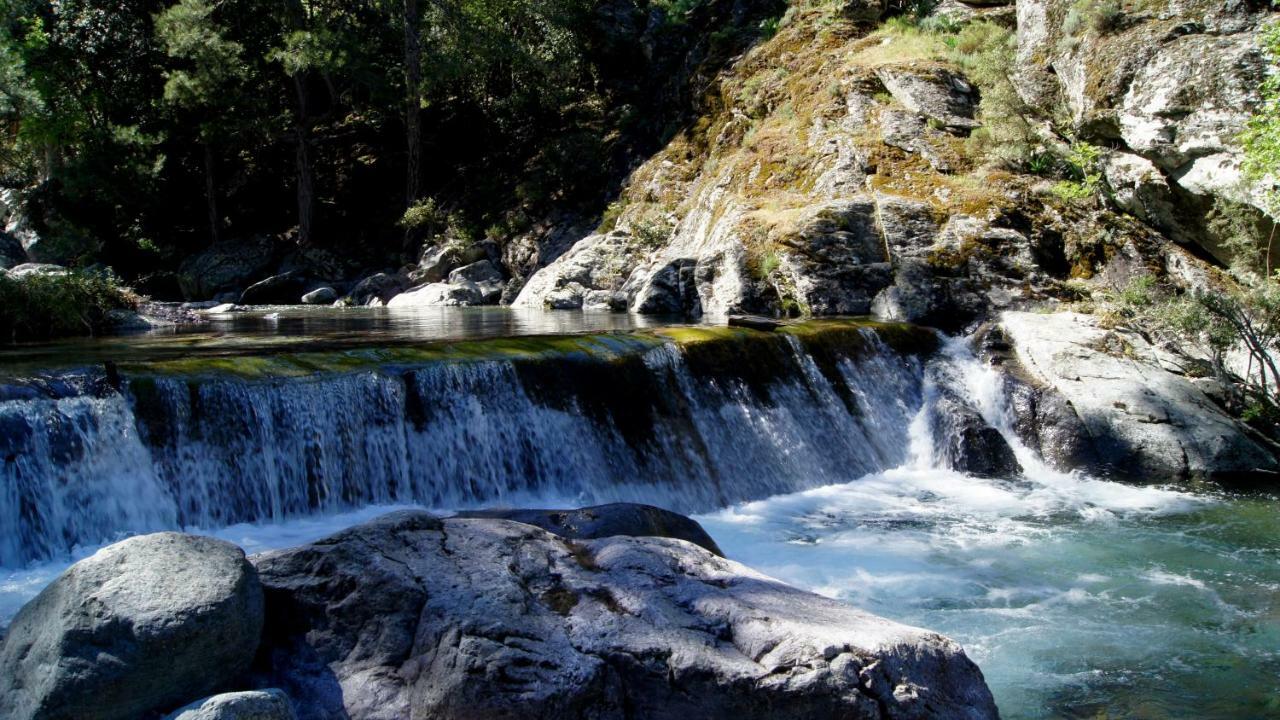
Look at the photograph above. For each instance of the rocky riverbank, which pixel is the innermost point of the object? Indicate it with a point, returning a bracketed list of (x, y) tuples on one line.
[(413, 615)]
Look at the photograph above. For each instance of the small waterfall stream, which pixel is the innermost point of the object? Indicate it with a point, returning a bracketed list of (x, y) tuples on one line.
[(673, 425)]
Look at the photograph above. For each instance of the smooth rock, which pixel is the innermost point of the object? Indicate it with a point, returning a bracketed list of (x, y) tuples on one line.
[(224, 308), (140, 626), (601, 521), (1143, 422), (250, 705), (413, 616), (282, 289), (323, 295), (377, 289), (438, 294), (438, 261)]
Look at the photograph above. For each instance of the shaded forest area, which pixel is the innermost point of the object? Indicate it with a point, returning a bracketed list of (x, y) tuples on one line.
[(139, 132)]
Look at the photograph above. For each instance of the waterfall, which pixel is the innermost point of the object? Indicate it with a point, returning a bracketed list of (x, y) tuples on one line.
[(692, 427)]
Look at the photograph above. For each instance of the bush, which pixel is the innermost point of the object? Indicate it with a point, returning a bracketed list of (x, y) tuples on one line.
[(41, 306)]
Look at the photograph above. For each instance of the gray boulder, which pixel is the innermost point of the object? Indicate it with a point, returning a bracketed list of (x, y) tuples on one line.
[(226, 266), (252, 705), (413, 616), (603, 521), (323, 295), (282, 289), (437, 294), (486, 277), (1143, 422), (963, 441), (440, 260), (377, 289), (141, 626)]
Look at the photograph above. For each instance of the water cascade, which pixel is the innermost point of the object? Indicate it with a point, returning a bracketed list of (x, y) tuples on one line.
[(695, 425)]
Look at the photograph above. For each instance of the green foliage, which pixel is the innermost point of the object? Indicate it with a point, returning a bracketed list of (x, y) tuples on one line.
[(1206, 325), (1101, 16), (986, 52), (187, 32), (43, 306), (1261, 139), (1082, 164)]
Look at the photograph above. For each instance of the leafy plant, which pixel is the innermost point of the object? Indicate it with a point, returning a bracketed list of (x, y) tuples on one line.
[(40, 306)]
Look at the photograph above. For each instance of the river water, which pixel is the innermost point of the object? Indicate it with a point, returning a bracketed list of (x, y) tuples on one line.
[(1078, 597)]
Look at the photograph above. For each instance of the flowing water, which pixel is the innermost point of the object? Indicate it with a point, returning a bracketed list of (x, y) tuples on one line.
[(1078, 597)]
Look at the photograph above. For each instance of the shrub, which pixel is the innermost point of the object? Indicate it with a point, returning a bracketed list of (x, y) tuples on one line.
[(41, 306)]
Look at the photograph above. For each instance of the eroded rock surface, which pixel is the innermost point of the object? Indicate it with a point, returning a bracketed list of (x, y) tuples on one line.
[(413, 616)]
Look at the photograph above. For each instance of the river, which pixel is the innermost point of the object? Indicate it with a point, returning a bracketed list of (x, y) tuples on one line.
[(1078, 597)]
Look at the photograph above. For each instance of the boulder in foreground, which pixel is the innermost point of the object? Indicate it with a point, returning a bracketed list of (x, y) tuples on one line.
[(143, 625), (413, 616)]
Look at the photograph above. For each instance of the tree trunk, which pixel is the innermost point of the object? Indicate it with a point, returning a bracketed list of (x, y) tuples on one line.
[(412, 118), (211, 193), (306, 184)]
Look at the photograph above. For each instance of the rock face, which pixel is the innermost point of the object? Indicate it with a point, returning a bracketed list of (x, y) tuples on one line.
[(412, 616), (251, 705), (1136, 420), (142, 625), (937, 93), (603, 521), (1174, 85)]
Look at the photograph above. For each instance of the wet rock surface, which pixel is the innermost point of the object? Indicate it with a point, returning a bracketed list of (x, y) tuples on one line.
[(411, 615)]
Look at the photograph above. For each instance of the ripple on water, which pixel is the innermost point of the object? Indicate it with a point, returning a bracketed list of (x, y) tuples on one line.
[(1079, 597)]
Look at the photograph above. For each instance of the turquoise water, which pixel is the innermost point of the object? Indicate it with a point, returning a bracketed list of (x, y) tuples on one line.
[(1078, 598)]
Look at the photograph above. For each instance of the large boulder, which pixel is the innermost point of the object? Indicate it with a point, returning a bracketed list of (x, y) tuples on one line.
[(437, 294), (283, 289), (1142, 422), (227, 266), (377, 289), (603, 521), (143, 625), (251, 705), (413, 616), (440, 260)]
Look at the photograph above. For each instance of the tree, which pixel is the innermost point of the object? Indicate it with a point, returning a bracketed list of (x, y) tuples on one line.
[(213, 70)]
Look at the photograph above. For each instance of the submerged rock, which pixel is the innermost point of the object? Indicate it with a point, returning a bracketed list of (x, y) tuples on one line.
[(252, 705), (413, 616), (603, 521), (140, 626), (1140, 421)]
